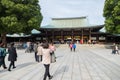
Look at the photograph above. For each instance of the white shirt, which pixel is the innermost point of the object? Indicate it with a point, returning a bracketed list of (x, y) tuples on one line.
[(46, 58)]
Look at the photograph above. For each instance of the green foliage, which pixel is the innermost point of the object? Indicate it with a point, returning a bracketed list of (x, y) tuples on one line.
[(112, 16), (19, 16)]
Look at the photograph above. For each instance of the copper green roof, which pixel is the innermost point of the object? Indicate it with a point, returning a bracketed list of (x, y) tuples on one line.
[(69, 18), (116, 34), (75, 22)]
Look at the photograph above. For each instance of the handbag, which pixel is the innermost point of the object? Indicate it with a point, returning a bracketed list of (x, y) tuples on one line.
[(53, 58)]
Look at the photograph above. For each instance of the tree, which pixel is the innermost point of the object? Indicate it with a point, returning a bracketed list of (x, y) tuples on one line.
[(112, 16), (19, 16)]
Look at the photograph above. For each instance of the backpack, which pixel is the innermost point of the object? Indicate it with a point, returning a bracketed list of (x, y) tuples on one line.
[(74, 46), (1, 52)]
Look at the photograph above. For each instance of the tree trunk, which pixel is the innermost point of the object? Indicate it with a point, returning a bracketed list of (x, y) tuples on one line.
[(3, 38)]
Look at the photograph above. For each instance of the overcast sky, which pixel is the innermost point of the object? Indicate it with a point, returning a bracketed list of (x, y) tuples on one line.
[(93, 9)]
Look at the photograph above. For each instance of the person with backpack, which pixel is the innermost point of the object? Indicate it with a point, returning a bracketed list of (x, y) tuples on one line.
[(2, 55), (74, 46)]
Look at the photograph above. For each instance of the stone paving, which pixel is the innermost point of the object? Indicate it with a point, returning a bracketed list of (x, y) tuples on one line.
[(93, 62)]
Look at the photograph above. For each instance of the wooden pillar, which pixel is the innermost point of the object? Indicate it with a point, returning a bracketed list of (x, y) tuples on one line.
[(89, 34), (46, 35), (79, 33), (62, 37), (61, 34), (72, 35), (97, 38), (42, 39), (82, 33), (53, 36)]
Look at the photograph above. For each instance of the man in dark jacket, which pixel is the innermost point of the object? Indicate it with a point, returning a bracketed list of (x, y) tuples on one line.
[(12, 56)]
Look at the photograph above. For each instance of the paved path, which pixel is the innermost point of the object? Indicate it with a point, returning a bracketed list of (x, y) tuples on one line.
[(87, 63)]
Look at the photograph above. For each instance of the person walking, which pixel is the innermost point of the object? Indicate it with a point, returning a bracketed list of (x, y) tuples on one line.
[(27, 47), (39, 52), (35, 51), (113, 48), (71, 45), (116, 49), (12, 56), (52, 48), (74, 46), (46, 60), (2, 55), (89, 42)]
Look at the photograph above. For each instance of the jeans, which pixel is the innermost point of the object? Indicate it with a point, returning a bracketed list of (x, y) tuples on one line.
[(36, 57), (47, 73)]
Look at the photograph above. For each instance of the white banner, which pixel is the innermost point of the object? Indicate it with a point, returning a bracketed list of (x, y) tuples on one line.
[(93, 38), (101, 38)]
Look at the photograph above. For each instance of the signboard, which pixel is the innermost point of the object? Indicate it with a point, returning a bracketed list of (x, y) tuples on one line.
[(38, 38), (44, 38), (101, 38), (93, 38)]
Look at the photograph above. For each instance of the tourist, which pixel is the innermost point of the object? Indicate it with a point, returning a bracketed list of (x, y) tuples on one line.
[(46, 60), (113, 48), (12, 56), (2, 55), (74, 46), (28, 47), (35, 51), (89, 41), (39, 51), (52, 48), (116, 49), (81, 41), (71, 46)]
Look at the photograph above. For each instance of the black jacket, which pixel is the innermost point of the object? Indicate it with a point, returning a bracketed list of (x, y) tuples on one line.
[(12, 54)]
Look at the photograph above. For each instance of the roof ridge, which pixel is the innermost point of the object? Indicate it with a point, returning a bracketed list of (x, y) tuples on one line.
[(69, 18)]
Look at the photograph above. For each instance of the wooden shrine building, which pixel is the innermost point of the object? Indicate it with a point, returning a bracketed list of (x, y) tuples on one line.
[(69, 29)]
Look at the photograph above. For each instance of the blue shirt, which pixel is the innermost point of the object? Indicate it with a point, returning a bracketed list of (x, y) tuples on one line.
[(74, 46)]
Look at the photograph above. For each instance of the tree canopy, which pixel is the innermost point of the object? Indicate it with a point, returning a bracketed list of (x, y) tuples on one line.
[(19, 16), (112, 16)]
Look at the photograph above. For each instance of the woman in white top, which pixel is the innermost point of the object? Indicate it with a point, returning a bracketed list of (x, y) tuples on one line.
[(46, 60)]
